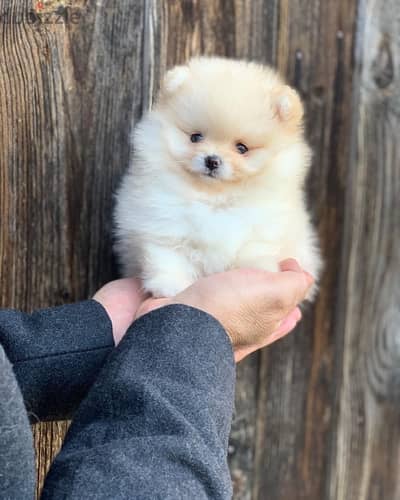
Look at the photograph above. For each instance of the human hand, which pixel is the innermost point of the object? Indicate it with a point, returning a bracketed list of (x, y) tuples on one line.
[(121, 300), (255, 307)]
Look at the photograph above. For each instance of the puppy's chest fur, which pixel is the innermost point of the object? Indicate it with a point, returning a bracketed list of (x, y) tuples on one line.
[(215, 238)]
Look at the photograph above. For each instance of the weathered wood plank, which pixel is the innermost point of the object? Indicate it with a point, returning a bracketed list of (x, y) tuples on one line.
[(298, 375), (366, 463), (68, 93)]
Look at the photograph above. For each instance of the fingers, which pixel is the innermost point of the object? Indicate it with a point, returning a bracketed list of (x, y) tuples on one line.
[(290, 265), (293, 265), (292, 283), (288, 324)]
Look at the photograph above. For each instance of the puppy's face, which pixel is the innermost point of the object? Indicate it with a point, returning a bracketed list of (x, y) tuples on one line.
[(224, 121)]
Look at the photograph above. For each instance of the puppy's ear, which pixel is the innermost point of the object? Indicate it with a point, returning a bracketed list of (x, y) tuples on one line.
[(288, 107), (174, 79)]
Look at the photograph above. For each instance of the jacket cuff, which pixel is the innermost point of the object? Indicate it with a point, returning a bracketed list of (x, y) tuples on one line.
[(56, 355), (68, 329)]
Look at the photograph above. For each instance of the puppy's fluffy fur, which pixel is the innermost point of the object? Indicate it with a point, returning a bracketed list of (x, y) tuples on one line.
[(176, 219)]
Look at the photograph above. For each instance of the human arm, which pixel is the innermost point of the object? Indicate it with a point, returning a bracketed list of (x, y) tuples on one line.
[(156, 422), (56, 353)]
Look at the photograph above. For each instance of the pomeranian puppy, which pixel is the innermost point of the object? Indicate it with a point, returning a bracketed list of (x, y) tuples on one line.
[(217, 178)]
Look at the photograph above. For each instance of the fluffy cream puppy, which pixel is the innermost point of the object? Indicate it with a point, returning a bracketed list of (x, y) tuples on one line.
[(216, 181)]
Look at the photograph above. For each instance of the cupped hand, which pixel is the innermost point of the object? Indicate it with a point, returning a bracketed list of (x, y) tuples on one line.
[(255, 307), (121, 299)]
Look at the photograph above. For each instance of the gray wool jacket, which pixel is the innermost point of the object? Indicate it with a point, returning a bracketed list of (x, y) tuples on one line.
[(151, 418)]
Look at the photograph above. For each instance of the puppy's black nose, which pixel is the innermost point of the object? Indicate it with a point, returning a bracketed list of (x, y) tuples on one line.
[(212, 162)]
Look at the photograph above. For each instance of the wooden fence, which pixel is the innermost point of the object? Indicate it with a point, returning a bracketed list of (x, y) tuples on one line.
[(318, 414)]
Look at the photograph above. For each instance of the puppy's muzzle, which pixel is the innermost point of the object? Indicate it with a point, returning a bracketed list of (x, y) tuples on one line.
[(212, 162)]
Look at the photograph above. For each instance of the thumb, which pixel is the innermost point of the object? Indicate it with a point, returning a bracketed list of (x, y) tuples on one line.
[(290, 265), (291, 287)]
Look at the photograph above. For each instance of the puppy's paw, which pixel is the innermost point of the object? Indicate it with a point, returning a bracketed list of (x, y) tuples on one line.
[(165, 285)]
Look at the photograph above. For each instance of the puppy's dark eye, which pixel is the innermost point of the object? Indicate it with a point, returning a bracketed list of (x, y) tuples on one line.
[(242, 149), (196, 137)]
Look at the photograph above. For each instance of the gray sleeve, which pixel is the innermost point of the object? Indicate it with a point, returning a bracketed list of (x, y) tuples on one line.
[(17, 461), (56, 354), (155, 424)]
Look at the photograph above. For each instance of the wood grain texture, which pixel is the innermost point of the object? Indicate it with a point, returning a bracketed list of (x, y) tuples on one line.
[(296, 400), (68, 94), (366, 464), (318, 415)]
